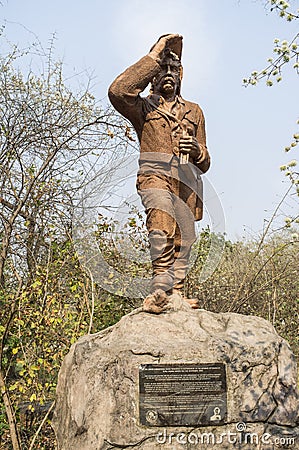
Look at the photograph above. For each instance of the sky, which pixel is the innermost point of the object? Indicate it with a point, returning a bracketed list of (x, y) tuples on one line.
[(223, 42)]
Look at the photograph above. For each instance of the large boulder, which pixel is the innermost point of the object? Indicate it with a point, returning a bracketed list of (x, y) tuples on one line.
[(98, 388)]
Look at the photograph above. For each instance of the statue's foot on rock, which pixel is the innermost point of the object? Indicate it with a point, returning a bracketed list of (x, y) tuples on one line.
[(160, 301), (156, 302), (193, 302)]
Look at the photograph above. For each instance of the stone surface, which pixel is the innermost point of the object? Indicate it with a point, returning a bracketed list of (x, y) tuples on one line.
[(97, 393)]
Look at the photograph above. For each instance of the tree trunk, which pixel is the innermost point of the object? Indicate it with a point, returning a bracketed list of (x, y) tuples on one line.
[(15, 439)]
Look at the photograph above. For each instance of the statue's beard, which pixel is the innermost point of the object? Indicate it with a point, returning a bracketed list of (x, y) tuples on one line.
[(166, 85)]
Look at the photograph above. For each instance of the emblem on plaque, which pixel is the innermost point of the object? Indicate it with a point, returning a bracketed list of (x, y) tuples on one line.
[(151, 417), (216, 415)]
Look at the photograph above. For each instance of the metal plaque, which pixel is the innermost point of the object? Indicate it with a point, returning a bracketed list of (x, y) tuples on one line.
[(182, 394)]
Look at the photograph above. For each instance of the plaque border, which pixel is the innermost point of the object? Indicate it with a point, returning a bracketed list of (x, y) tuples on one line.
[(154, 419)]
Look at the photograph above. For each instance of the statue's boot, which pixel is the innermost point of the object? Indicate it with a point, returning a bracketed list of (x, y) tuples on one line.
[(162, 255), (193, 302)]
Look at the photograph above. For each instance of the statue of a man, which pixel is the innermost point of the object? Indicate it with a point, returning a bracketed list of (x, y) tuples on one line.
[(173, 154)]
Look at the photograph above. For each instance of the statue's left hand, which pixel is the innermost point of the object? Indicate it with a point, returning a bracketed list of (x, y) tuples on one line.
[(189, 144)]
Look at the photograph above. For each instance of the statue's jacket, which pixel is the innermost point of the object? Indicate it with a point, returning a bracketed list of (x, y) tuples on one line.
[(159, 133)]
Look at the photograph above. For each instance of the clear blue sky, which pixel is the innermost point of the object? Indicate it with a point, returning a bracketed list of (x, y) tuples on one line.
[(247, 128)]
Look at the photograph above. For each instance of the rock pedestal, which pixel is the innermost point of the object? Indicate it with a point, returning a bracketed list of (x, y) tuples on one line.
[(98, 389)]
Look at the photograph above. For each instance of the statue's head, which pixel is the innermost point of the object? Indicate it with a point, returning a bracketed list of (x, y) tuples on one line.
[(168, 80)]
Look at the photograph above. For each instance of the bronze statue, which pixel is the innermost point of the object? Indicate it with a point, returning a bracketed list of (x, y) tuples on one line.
[(173, 154)]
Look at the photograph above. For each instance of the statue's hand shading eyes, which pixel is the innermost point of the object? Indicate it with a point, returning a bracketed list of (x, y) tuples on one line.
[(163, 46)]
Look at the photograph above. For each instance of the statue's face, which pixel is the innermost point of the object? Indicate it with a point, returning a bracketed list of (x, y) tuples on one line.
[(166, 83)]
